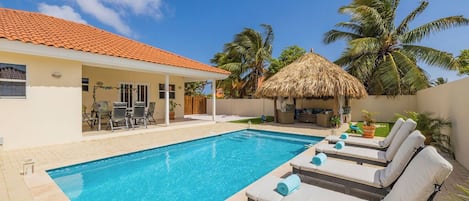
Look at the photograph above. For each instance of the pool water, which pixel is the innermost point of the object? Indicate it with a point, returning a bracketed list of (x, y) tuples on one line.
[(213, 168)]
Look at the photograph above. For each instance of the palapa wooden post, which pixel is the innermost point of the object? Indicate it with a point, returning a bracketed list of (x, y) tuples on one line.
[(275, 110), (336, 106)]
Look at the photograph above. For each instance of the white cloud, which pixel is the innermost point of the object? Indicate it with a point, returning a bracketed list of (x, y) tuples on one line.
[(105, 15), (141, 7), (64, 12)]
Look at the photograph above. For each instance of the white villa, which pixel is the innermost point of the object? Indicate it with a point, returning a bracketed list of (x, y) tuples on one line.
[(49, 68)]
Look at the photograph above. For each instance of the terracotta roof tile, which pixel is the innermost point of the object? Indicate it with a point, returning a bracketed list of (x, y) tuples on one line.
[(36, 28)]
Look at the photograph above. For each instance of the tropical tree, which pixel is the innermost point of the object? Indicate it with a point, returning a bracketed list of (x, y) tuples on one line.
[(385, 55), (194, 88), (246, 58), (288, 55), (463, 60), (439, 81)]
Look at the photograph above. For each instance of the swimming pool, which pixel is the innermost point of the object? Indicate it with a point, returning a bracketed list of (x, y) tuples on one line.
[(212, 168)]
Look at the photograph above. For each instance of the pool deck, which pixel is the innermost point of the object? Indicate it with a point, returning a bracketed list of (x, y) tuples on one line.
[(40, 187)]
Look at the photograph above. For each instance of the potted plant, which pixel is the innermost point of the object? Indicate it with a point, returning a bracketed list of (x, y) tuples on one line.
[(335, 121), (430, 127), (172, 107), (368, 124)]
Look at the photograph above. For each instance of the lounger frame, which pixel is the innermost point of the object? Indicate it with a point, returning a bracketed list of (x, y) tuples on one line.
[(361, 146), (348, 185), (359, 161)]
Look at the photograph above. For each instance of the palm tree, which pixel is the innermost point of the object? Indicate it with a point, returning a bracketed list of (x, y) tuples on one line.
[(439, 81), (385, 56), (288, 55), (463, 60), (247, 57)]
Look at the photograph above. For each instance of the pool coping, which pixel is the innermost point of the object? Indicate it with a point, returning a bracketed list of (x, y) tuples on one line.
[(43, 187)]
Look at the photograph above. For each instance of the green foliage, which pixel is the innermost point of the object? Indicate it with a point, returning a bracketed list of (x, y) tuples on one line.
[(438, 81), (246, 57), (194, 88), (173, 105), (254, 120), (383, 54), (462, 193), (431, 128), (335, 121), (368, 117), (463, 60), (288, 56)]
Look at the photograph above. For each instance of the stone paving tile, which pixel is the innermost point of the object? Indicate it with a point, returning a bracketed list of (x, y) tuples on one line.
[(15, 187)]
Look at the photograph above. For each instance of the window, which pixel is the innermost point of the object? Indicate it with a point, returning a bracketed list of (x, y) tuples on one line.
[(12, 81), (126, 94), (142, 94), (85, 83), (130, 93), (172, 91)]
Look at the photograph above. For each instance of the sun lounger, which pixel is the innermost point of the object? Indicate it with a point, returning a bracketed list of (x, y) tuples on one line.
[(369, 143), (264, 189), (370, 156), (353, 176), (420, 181)]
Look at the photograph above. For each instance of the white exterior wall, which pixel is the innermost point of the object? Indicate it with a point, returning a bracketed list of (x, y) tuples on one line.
[(51, 111)]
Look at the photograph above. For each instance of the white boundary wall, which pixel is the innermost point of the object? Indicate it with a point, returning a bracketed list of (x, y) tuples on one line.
[(450, 101), (385, 107), (243, 107)]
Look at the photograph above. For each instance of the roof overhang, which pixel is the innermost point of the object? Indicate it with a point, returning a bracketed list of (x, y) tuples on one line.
[(103, 61)]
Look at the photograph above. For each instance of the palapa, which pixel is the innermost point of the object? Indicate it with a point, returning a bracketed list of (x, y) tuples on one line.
[(312, 76)]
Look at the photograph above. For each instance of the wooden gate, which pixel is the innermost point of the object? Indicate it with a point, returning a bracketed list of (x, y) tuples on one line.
[(195, 105)]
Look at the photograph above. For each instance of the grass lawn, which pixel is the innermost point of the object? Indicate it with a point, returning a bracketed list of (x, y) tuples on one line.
[(382, 128), (257, 120)]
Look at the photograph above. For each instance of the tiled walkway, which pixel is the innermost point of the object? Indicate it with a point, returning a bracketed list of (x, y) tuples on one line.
[(15, 187)]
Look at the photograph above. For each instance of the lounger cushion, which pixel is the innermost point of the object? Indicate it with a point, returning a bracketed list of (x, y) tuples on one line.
[(340, 169), (387, 141), (356, 152), (264, 190), (424, 171), (359, 141), (408, 126), (408, 148)]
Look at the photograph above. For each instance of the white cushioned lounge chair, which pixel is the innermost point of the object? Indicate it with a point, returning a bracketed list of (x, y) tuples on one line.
[(420, 181), (353, 176), (370, 156), (369, 143)]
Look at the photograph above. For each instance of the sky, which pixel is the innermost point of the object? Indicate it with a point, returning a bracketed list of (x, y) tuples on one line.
[(199, 28)]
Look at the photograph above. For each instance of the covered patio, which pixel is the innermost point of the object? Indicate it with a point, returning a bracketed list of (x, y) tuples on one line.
[(161, 93)]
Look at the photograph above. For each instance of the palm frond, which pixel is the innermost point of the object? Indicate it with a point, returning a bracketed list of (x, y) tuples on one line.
[(432, 56), (268, 36), (369, 16), (362, 46), (405, 22), (417, 34), (334, 35), (413, 78), (353, 27), (388, 73)]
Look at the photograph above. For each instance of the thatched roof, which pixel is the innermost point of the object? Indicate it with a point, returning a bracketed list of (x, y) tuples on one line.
[(312, 76)]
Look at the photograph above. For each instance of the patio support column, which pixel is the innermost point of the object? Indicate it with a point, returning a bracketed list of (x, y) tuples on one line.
[(214, 99), (166, 100)]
